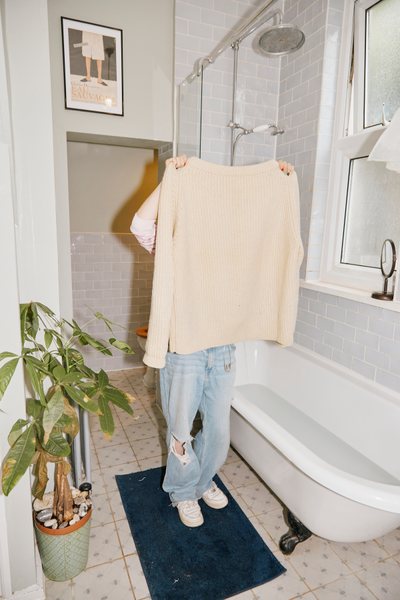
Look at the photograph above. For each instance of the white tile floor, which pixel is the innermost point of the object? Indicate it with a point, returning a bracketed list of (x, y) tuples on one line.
[(317, 570)]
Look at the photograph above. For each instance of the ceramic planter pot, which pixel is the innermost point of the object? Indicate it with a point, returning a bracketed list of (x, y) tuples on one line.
[(64, 552)]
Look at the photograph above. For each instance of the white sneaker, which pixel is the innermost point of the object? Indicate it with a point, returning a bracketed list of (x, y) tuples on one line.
[(190, 513), (214, 497)]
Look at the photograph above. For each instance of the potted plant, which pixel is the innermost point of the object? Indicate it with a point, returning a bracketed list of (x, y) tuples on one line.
[(58, 380)]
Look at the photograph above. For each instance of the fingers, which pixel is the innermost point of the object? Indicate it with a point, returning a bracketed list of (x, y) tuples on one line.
[(177, 161), (285, 167)]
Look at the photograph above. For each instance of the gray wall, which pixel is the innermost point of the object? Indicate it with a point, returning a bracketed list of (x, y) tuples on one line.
[(364, 338), (148, 29), (359, 336), (200, 26)]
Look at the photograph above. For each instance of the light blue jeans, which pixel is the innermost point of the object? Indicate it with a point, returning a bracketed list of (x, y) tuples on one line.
[(201, 381)]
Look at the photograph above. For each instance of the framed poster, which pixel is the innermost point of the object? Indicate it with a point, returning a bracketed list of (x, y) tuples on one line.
[(92, 58)]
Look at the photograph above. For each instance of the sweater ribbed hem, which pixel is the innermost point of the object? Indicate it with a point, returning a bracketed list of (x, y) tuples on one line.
[(158, 363), (154, 361)]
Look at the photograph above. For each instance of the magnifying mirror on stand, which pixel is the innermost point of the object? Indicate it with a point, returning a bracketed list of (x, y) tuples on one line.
[(388, 265)]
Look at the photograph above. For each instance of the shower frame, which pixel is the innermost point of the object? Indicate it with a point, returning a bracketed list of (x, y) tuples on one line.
[(233, 40)]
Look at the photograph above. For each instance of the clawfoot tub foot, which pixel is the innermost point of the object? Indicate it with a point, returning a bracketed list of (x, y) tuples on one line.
[(297, 533)]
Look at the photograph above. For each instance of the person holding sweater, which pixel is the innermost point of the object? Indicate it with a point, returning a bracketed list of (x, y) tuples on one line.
[(196, 381)]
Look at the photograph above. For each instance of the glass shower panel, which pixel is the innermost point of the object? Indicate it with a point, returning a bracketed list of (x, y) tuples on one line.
[(190, 97)]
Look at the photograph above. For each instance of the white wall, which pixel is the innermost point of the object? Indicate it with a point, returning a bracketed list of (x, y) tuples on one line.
[(148, 93), (35, 204), (107, 184), (17, 556), (31, 114), (147, 33)]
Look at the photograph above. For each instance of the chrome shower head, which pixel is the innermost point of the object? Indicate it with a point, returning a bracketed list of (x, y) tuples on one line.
[(279, 40)]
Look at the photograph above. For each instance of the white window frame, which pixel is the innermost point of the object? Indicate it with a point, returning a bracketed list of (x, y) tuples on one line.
[(346, 146)]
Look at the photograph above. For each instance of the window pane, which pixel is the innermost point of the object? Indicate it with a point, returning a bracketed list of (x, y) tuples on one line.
[(372, 212), (382, 69)]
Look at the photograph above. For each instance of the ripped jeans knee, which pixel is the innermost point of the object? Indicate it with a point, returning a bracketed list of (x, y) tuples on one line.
[(179, 449)]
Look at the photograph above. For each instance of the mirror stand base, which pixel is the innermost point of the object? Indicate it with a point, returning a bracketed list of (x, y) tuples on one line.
[(382, 295)]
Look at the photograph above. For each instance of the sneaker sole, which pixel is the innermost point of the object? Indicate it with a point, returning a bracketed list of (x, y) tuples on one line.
[(190, 523), (216, 505)]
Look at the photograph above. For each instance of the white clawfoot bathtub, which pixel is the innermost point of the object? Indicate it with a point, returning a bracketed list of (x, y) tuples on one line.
[(325, 441)]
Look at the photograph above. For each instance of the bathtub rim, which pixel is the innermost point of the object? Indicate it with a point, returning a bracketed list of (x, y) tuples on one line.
[(368, 384), (378, 495)]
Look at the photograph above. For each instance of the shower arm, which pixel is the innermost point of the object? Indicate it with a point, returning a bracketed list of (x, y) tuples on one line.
[(263, 20), (255, 20)]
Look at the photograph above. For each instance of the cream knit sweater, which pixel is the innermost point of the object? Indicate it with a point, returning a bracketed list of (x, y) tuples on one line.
[(228, 252)]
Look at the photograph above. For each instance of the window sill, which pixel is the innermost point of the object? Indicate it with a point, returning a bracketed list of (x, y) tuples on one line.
[(351, 294)]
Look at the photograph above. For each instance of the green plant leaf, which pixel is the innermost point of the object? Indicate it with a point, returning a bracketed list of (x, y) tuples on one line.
[(4, 355), (102, 379), (71, 428), (57, 335), (106, 321), (52, 412), (23, 312), (119, 399), (6, 373), (40, 473), (106, 418), (35, 379), (39, 430), (50, 361), (76, 325), (74, 377), (120, 345), (57, 445), (40, 365), (48, 338), (18, 459), (33, 408), (16, 431), (59, 372), (47, 311), (32, 320), (86, 338), (74, 358), (89, 373), (81, 398)]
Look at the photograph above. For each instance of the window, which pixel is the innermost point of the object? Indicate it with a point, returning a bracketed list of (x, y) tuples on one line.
[(364, 196)]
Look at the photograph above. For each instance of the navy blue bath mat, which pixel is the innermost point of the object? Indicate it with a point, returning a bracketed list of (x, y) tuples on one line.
[(223, 557)]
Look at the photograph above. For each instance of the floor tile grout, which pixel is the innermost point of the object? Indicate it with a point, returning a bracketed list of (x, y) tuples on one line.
[(267, 520)]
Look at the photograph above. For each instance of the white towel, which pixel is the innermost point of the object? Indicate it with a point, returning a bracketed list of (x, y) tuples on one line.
[(387, 148)]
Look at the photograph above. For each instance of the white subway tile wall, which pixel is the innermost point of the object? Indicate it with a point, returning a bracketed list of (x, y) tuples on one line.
[(298, 91), (164, 152), (112, 274), (200, 26), (302, 85), (361, 337)]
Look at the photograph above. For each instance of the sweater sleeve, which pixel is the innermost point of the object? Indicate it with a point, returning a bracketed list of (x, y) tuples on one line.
[(145, 232), (163, 278)]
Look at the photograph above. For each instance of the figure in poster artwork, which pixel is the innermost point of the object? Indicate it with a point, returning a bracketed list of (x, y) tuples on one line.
[(93, 48), (92, 67)]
